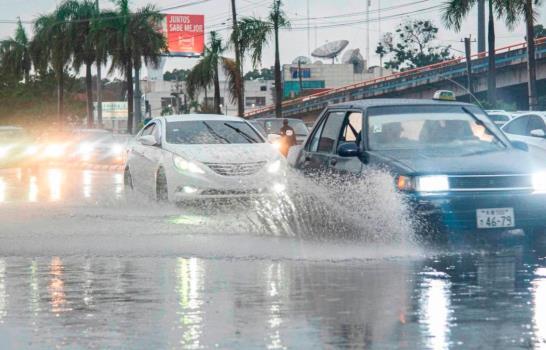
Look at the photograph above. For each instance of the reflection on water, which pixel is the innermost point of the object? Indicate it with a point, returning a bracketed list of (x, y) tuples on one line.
[(55, 182), (33, 189), (3, 293), (436, 311), (275, 284), (87, 183), (190, 285), (539, 309), (56, 287), (2, 190), (118, 185)]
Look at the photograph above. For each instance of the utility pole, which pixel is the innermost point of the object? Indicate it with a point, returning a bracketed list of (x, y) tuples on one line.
[(300, 78), (99, 82), (531, 58), (368, 3), (308, 31), (481, 26), (468, 54), (239, 79)]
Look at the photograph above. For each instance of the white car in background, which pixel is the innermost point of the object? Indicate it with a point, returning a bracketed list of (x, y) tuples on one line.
[(200, 156), (529, 127), (499, 117)]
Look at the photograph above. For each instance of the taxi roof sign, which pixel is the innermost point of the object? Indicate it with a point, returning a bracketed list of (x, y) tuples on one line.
[(444, 95)]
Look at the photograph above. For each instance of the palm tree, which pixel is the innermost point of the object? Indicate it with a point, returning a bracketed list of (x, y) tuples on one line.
[(15, 57), (523, 9), (80, 16), (255, 34), (129, 37), (50, 49), (206, 72), (454, 13)]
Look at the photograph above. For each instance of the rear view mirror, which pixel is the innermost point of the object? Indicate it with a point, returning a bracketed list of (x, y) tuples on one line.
[(148, 140), (348, 150), (538, 133), (520, 145)]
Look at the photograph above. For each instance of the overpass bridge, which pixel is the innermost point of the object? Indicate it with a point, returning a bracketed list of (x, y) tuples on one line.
[(511, 63)]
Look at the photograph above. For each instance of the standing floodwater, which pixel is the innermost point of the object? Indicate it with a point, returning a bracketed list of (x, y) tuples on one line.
[(83, 267)]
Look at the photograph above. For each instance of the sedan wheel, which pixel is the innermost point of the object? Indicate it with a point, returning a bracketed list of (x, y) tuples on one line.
[(162, 191)]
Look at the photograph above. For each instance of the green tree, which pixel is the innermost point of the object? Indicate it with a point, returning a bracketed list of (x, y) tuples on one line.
[(15, 59), (455, 12), (50, 50), (540, 31), (176, 74), (129, 38), (413, 45), (80, 16), (255, 35), (262, 74), (515, 10), (206, 73)]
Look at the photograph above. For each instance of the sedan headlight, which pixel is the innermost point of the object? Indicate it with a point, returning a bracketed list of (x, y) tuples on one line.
[(117, 149), (4, 151), (428, 183), (539, 182), (186, 166), (274, 167)]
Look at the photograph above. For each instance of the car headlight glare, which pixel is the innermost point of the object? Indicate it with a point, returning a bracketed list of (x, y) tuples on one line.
[(86, 148), (54, 151), (539, 182), (432, 183), (187, 166), (31, 150), (4, 151), (117, 149), (274, 167)]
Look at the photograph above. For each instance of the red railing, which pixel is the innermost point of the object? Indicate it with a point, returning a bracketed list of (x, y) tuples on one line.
[(394, 76)]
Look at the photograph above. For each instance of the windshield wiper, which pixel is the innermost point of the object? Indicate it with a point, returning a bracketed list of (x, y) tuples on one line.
[(241, 132), (215, 134)]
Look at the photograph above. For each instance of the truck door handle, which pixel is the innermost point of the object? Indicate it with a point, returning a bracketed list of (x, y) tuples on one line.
[(333, 161)]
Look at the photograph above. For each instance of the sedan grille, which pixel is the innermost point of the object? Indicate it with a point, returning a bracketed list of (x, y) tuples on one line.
[(236, 169), (490, 183)]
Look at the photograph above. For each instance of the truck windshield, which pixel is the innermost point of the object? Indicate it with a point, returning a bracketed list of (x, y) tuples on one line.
[(429, 128)]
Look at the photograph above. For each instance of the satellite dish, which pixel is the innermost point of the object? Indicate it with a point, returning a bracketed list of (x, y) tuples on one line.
[(330, 50), (302, 60), (318, 62), (355, 58)]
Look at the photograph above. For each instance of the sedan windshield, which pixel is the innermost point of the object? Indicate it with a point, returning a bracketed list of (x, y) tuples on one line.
[(429, 129), (211, 132)]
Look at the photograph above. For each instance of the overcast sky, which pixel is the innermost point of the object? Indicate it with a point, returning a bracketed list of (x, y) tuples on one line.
[(294, 42)]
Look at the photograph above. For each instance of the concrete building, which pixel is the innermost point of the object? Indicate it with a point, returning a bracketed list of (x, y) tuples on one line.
[(320, 75)]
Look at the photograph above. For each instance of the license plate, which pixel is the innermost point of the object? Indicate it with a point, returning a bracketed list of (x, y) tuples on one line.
[(495, 218)]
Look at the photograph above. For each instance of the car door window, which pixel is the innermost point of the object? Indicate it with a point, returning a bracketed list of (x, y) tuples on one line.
[(535, 123), (148, 130), (517, 126), (330, 132), (352, 128), (313, 146)]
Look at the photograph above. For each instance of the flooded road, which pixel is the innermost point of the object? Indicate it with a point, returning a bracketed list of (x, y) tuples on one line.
[(83, 266)]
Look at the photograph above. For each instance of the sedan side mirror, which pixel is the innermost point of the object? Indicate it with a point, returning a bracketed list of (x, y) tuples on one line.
[(520, 145), (538, 133), (348, 150), (148, 140)]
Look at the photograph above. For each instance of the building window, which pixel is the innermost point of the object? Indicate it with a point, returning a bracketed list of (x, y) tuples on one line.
[(263, 88), (167, 102), (305, 72), (255, 101)]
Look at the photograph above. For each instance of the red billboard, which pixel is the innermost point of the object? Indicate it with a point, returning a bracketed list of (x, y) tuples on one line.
[(185, 34)]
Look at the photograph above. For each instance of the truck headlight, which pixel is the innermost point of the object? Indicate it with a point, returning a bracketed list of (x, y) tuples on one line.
[(274, 167), (186, 166), (539, 182)]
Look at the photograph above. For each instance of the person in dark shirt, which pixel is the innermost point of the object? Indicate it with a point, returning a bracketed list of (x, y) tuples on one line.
[(288, 137)]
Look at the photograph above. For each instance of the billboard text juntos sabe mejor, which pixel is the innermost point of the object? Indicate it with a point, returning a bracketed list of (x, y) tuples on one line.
[(185, 34)]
